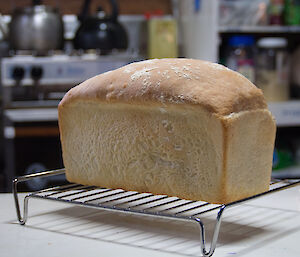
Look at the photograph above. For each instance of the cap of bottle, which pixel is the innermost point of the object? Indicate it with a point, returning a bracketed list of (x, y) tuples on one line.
[(272, 42), (242, 40)]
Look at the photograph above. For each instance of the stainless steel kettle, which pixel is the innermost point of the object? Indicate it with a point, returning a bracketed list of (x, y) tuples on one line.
[(37, 28)]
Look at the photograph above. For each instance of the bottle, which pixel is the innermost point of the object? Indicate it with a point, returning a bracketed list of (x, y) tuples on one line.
[(275, 11), (272, 64), (240, 55), (162, 37), (292, 12), (295, 73)]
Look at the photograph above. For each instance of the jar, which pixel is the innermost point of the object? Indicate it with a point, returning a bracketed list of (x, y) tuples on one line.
[(295, 73), (272, 64), (240, 55)]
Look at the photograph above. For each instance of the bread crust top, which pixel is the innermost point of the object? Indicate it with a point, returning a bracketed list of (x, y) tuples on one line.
[(172, 81)]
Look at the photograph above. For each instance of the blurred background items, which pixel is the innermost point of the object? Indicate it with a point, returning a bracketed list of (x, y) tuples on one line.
[(50, 46)]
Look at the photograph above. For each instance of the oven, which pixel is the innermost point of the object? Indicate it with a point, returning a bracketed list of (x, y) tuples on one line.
[(31, 144), (32, 87)]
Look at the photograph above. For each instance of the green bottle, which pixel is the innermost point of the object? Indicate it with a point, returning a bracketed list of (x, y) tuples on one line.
[(292, 12)]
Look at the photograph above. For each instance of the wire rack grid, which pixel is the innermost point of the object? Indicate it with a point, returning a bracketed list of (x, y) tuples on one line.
[(119, 200)]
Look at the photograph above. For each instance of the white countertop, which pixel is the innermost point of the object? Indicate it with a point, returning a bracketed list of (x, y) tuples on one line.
[(268, 226)]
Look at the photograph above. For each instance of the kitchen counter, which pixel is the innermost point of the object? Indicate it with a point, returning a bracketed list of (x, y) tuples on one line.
[(268, 226)]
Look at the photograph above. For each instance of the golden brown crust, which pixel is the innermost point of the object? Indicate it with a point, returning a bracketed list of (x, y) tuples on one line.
[(180, 127), (173, 81)]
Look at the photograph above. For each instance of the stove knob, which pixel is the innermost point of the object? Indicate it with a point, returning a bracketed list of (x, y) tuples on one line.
[(36, 72), (18, 73)]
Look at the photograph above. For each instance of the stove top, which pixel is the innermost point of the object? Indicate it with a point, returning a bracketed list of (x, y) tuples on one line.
[(58, 68), (28, 80), (65, 52)]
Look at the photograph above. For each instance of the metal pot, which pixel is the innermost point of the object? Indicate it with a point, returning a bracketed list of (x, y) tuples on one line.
[(36, 28)]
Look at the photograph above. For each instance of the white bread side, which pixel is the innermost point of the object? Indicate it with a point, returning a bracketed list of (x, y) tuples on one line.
[(193, 149)]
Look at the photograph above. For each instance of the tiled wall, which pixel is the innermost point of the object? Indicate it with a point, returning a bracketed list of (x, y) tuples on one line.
[(74, 6)]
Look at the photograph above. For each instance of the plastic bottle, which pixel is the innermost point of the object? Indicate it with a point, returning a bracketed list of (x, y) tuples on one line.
[(240, 55), (292, 12), (275, 11), (272, 63)]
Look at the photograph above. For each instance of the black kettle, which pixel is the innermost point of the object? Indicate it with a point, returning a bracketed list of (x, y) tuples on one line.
[(100, 31)]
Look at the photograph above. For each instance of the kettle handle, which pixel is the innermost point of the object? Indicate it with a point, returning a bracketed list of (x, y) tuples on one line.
[(36, 2), (85, 10), (86, 6), (115, 10)]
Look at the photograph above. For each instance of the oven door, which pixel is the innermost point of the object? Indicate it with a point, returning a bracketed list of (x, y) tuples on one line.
[(31, 144)]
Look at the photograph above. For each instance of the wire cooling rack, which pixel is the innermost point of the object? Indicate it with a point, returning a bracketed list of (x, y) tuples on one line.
[(119, 200)]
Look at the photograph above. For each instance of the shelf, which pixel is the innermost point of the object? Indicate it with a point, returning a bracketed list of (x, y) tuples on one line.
[(287, 114), (259, 29), (31, 114), (290, 172)]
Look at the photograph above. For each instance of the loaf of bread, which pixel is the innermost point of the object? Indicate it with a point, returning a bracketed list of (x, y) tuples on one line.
[(180, 127)]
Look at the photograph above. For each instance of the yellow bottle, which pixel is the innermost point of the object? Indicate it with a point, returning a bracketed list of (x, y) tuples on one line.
[(162, 38)]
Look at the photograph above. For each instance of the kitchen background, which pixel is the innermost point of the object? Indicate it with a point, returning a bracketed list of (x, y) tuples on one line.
[(47, 47)]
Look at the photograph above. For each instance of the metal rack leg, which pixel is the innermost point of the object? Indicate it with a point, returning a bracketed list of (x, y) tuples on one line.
[(215, 235), (22, 220), (25, 211)]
